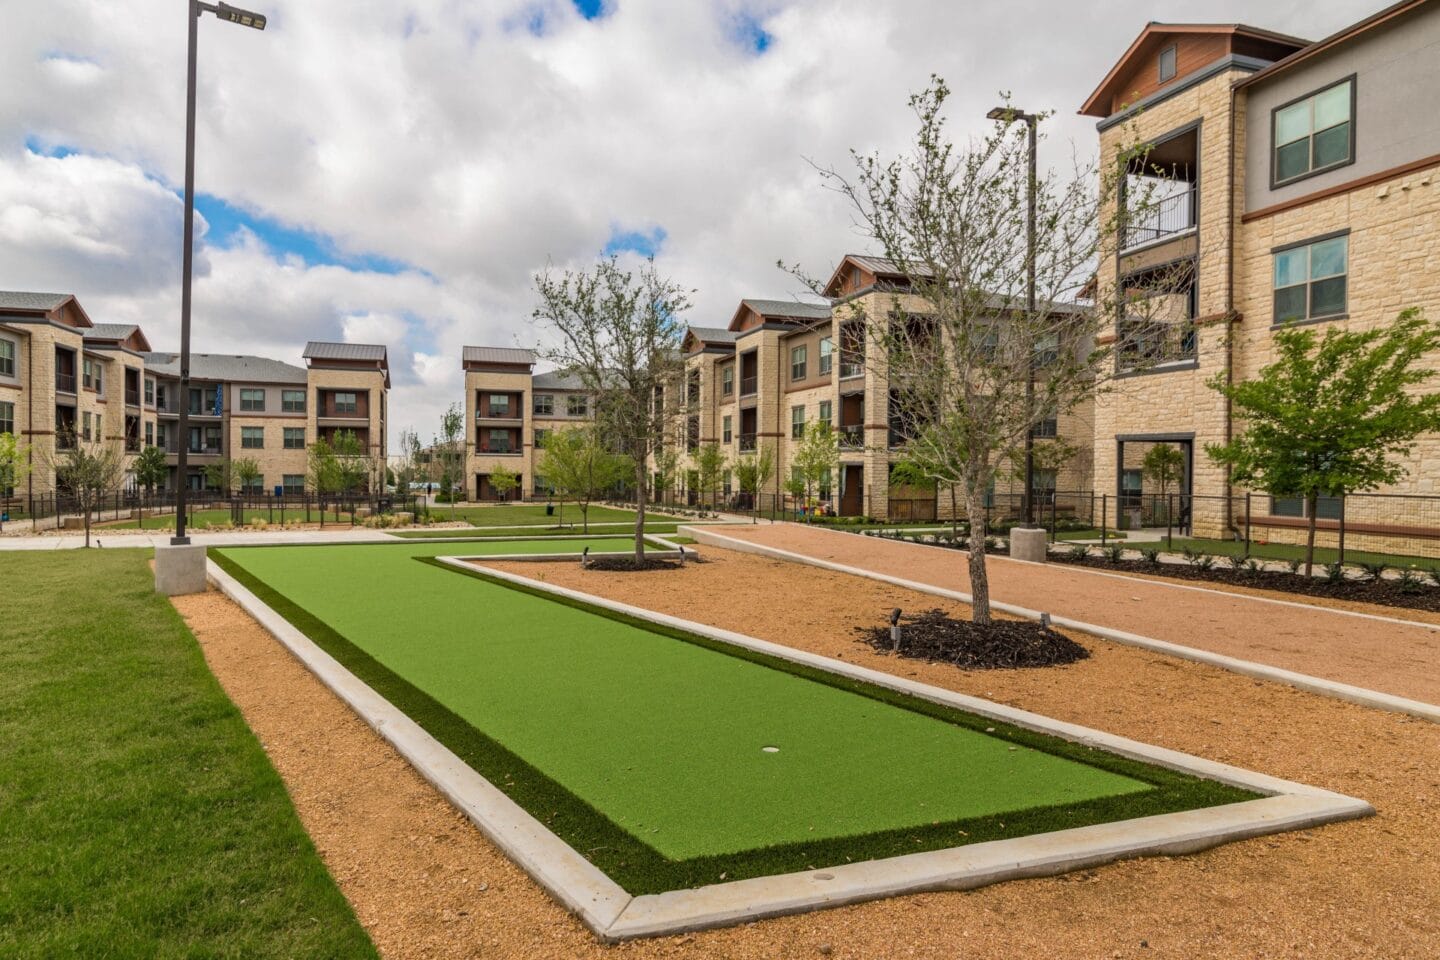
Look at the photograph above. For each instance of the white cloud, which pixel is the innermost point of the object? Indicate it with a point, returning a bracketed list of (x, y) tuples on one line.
[(444, 134)]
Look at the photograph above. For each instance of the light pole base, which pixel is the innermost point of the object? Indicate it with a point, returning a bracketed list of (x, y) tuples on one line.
[(1029, 543), (180, 570)]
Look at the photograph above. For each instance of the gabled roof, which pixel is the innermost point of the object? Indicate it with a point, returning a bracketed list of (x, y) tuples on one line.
[(882, 268), (713, 334), (232, 367), (555, 380), (41, 303), (1340, 36), (504, 355), (329, 350), (779, 310), (119, 333), (1154, 35)]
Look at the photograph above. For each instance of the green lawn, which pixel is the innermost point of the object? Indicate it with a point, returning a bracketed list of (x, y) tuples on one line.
[(140, 816), (527, 514), (200, 518), (483, 532), (1285, 551), (642, 746)]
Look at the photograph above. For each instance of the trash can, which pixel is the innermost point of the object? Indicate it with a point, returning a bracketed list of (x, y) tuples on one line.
[(549, 509)]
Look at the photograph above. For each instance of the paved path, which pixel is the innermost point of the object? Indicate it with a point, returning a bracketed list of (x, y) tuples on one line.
[(119, 540), (1395, 658)]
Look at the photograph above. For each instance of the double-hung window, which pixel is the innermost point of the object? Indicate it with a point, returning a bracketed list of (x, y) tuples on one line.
[(544, 404), (294, 438), (1315, 133), (827, 356), (346, 403), (725, 431), (825, 413), (577, 405), (7, 358), (7, 417), (1311, 280), (727, 380), (292, 401), (252, 438), (797, 363), (252, 400), (797, 422), (500, 405)]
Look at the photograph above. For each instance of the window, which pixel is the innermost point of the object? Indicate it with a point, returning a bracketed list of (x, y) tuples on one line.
[(294, 438), (149, 391), (499, 404), (7, 358), (1047, 349), (541, 486), (346, 403), (254, 485), (1167, 63), (577, 406), (499, 441), (797, 363), (725, 433), (292, 401), (827, 356), (252, 399), (825, 409), (149, 433), (1310, 280), (1326, 508), (7, 417), (86, 421), (293, 484), (94, 376), (160, 396), (252, 438), (544, 404), (727, 380), (825, 484), (1314, 134), (540, 436), (797, 422), (1045, 429)]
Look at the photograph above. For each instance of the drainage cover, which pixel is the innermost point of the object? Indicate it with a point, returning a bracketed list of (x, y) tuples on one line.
[(770, 749)]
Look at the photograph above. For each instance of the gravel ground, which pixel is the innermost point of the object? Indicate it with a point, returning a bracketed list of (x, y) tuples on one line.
[(1392, 658), (426, 884)]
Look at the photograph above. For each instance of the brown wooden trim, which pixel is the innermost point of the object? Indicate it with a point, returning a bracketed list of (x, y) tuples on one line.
[(1338, 189), (37, 433), (1333, 526), (12, 386), (1105, 339), (817, 385), (1320, 46)]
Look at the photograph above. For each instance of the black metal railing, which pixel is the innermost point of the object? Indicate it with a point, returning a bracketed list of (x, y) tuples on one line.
[(65, 382), (747, 443), (1161, 219), (749, 386), (852, 436)]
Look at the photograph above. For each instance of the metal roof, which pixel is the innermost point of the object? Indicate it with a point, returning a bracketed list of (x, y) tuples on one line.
[(329, 350), (714, 334), (20, 300), (234, 367), (787, 308), (556, 380), (883, 266), (110, 331), (512, 355)]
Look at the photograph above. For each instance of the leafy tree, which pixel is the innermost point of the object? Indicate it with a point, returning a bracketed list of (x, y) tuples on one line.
[(503, 481), (322, 470), (218, 475), (752, 472), (149, 468), (619, 332), (450, 448), (1162, 466), (817, 457), (973, 363), (245, 471), (667, 469), (1334, 414), (711, 468), (580, 466), (89, 471), (14, 464), (352, 462)]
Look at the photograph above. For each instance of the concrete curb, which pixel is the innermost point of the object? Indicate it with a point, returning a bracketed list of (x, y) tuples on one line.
[(614, 915), (1249, 668)]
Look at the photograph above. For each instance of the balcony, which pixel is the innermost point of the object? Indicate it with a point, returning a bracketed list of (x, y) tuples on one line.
[(132, 398), (1161, 220), (749, 386), (65, 382), (497, 450), (851, 368), (747, 443), (852, 436)]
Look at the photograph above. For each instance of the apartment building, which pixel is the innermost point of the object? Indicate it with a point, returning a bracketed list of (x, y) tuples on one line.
[(509, 411), (65, 379), (1299, 183)]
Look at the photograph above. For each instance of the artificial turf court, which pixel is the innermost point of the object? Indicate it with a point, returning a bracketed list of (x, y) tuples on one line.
[(645, 748)]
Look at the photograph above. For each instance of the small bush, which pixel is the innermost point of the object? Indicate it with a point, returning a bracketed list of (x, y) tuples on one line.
[(1410, 582), (1204, 561), (1079, 551), (990, 544), (1294, 565), (1375, 571), (1335, 572), (1236, 561), (1252, 567), (1115, 553), (1150, 555), (1434, 574)]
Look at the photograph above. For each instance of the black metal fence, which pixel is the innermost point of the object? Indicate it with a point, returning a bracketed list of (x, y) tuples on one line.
[(129, 507)]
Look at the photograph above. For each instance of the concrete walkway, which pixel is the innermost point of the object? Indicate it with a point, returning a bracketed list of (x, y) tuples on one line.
[(1381, 654), (115, 540)]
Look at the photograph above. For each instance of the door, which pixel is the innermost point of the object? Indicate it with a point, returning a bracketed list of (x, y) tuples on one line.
[(852, 490)]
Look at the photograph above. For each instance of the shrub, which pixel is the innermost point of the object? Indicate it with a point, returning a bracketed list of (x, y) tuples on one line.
[(1079, 551), (1294, 565), (1150, 555), (1410, 582), (1236, 561), (1204, 561), (990, 544), (1434, 573), (1335, 572), (1115, 553), (1375, 571), (1252, 567)]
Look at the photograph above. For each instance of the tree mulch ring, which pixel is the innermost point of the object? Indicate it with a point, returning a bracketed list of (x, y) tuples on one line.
[(998, 645), (1387, 591), (628, 565)]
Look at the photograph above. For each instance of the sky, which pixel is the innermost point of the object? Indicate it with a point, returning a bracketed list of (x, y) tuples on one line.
[(384, 171)]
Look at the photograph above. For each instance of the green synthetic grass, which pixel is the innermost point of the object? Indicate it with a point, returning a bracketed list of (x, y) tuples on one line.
[(139, 816), (480, 533), (1286, 551), (641, 746), (533, 514)]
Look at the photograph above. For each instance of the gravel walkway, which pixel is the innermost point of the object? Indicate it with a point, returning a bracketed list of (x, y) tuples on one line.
[(1390, 657), (427, 884)]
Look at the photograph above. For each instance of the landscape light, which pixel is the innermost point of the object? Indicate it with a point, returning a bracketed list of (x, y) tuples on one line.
[(243, 17)]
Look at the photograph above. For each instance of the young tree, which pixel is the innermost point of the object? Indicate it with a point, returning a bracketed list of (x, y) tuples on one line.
[(620, 333), (245, 472), (817, 458), (503, 481), (14, 466), (89, 471), (667, 469), (971, 362), (711, 465), (578, 465), (218, 475), (1332, 415), (450, 448), (752, 472), (149, 468), (322, 471), (353, 468), (1162, 466)]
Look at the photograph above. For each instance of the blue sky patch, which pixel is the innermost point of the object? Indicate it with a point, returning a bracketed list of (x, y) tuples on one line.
[(645, 243), (749, 32), (42, 149), (590, 9), (225, 221)]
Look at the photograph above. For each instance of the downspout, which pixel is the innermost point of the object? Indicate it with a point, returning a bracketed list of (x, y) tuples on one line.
[(1227, 414), (30, 425)]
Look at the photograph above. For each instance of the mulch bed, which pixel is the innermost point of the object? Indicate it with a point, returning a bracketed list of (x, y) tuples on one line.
[(998, 645), (1388, 591), (627, 564)]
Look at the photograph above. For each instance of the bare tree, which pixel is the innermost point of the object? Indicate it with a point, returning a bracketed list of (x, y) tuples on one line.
[(620, 333), (450, 446), (89, 471), (970, 366)]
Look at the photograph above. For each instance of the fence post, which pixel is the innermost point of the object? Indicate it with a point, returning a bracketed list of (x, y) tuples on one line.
[(1342, 529), (1104, 515), (1170, 521), (1247, 524)]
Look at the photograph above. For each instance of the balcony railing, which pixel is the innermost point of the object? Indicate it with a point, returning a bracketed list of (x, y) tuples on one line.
[(851, 368), (1162, 219), (852, 436), (65, 382), (132, 398), (503, 450), (132, 444), (747, 443), (749, 386)]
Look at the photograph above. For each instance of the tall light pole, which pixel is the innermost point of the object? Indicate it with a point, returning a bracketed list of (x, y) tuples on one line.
[(1032, 121), (182, 480)]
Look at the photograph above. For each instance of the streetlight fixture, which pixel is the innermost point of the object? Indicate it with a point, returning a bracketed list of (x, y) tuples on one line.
[(255, 21), (1009, 115)]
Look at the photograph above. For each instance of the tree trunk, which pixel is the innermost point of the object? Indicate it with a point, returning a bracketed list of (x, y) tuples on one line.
[(979, 580), (640, 509), (1311, 500), (585, 516), (954, 515)]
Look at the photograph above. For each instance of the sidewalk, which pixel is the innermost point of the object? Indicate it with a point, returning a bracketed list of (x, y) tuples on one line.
[(1396, 658), (115, 541)]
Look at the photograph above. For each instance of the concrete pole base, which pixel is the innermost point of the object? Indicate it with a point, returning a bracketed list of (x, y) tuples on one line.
[(180, 569), (1029, 544)]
